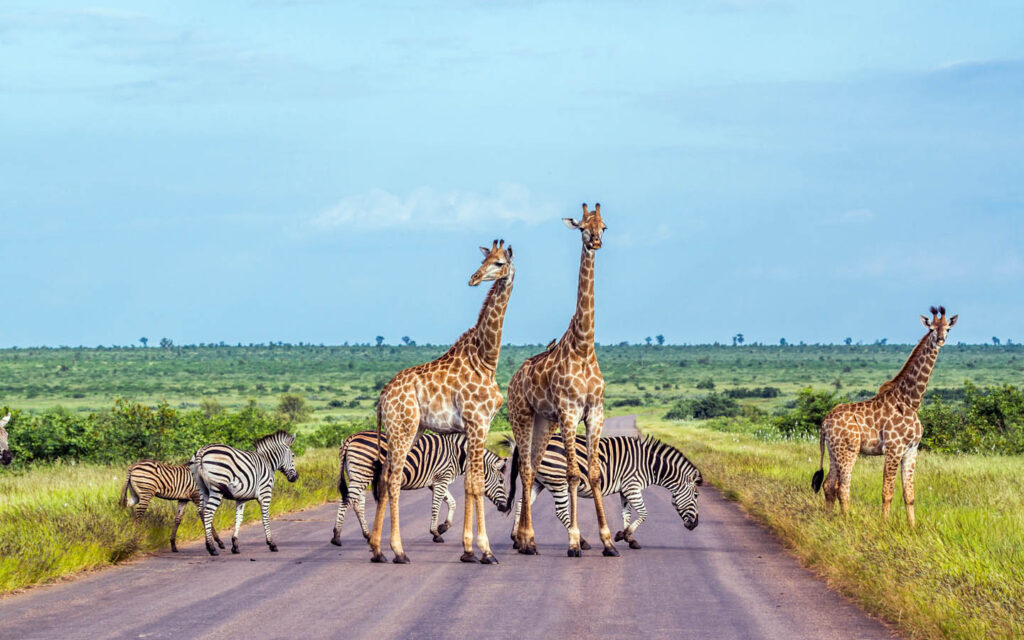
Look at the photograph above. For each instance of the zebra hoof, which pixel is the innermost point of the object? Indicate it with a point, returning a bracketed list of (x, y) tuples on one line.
[(336, 540), (610, 552), (401, 559), (378, 557), (213, 550), (273, 547), (468, 556), (220, 544), (489, 559), (620, 536), (438, 538), (633, 544), (444, 526), (174, 547), (584, 545), (234, 548), (366, 536)]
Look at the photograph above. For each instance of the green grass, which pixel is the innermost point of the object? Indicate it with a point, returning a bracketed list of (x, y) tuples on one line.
[(959, 573), (60, 519)]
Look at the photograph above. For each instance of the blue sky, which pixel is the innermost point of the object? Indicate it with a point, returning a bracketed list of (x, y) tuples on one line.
[(323, 172)]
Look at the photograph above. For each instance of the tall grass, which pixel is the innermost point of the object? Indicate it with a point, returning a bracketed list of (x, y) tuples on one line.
[(959, 573), (58, 519)]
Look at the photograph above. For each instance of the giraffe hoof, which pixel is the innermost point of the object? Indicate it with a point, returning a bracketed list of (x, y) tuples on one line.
[(336, 540), (575, 552), (528, 550), (515, 544), (401, 559), (633, 544), (438, 538), (273, 547), (378, 557), (468, 556), (620, 535), (584, 545), (488, 559), (444, 526), (611, 552)]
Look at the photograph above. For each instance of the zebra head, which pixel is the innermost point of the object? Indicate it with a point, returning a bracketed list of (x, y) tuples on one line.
[(677, 474), (494, 480), (5, 454), (276, 449), (684, 499)]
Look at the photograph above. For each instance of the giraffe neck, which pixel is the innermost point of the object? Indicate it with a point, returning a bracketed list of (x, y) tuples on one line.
[(582, 325), (912, 380), (487, 332)]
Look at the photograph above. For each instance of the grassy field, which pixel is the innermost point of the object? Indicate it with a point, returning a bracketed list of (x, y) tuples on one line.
[(959, 573), (77, 523)]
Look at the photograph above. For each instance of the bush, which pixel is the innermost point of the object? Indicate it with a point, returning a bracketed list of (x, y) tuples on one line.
[(293, 407), (336, 404), (756, 392), (332, 434), (627, 402), (989, 420), (712, 405), (807, 412), (706, 383)]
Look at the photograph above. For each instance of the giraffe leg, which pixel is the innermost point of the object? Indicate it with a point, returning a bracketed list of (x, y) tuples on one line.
[(595, 423), (239, 515), (889, 471), (476, 431), (177, 521), (831, 484), (397, 453), (568, 421), (843, 479), (907, 467)]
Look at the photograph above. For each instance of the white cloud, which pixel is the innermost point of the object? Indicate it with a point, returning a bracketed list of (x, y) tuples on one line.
[(427, 207)]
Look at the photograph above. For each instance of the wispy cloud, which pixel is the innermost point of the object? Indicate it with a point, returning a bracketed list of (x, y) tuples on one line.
[(426, 207)]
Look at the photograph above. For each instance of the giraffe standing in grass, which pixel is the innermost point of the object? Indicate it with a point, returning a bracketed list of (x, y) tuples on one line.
[(556, 389), (456, 393), (884, 425)]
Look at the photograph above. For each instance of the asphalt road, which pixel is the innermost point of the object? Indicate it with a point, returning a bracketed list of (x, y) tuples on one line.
[(726, 579)]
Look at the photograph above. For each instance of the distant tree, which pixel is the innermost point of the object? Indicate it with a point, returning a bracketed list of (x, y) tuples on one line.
[(706, 383), (660, 338), (624, 343), (837, 383), (293, 407), (648, 340), (166, 343), (380, 341), (782, 342), (847, 341), (211, 407), (881, 341), (737, 339), (405, 340), (995, 341), (144, 341)]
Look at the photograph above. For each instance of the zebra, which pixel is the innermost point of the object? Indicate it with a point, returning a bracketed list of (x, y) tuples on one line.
[(628, 465), (222, 472), (433, 462), (147, 479), (5, 454)]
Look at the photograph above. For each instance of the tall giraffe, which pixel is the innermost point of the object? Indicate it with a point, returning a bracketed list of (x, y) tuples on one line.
[(886, 424), (456, 393), (558, 388)]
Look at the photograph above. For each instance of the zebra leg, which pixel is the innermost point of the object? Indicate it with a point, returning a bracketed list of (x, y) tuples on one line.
[(265, 512), (452, 506), (359, 506), (142, 505), (568, 421), (438, 490), (239, 514), (177, 521), (636, 500), (210, 505), (534, 492), (199, 512), (621, 535), (595, 422), (340, 520)]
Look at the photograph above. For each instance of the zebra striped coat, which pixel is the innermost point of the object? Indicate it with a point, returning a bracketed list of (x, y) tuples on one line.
[(222, 472), (433, 462), (628, 466), (148, 479), (5, 454)]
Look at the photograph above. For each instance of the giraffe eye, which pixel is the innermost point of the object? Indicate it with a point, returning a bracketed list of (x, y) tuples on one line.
[(499, 264)]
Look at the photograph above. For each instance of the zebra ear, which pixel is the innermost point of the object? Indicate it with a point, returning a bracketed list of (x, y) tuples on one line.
[(289, 439)]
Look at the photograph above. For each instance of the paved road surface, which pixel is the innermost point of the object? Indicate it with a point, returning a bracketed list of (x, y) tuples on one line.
[(726, 579)]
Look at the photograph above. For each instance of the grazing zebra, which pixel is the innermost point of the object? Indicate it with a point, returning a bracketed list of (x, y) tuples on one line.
[(222, 472), (147, 479), (5, 454), (433, 462), (628, 466)]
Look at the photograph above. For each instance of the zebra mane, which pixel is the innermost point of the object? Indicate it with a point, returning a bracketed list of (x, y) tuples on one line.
[(281, 437), (669, 454)]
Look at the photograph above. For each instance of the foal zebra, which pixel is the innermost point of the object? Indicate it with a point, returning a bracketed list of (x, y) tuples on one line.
[(147, 479), (222, 472), (433, 462), (628, 466), (5, 454)]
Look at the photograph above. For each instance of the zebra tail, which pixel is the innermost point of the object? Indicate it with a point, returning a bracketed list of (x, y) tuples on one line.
[(512, 474), (378, 464), (124, 491), (342, 485), (819, 475)]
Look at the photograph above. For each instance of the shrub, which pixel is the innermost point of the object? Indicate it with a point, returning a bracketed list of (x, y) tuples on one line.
[(706, 383), (627, 402), (806, 413), (714, 405), (293, 407), (756, 392), (335, 404)]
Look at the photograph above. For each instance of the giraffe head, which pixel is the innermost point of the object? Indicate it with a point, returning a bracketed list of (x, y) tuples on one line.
[(497, 264), (939, 325), (591, 226), (5, 454)]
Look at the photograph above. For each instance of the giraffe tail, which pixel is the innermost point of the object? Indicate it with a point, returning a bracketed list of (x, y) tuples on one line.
[(512, 480), (378, 464), (819, 475)]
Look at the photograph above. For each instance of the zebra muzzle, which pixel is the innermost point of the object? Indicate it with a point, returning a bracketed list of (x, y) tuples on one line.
[(691, 524), (6, 457)]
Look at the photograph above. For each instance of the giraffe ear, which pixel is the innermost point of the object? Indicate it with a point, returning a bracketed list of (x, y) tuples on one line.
[(485, 251), (952, 321), (572, 224), (926, 322), (5, 420), (508, 252)]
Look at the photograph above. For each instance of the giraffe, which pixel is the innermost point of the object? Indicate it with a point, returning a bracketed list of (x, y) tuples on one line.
[(456, 393), (886, 424), (556, 389)]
